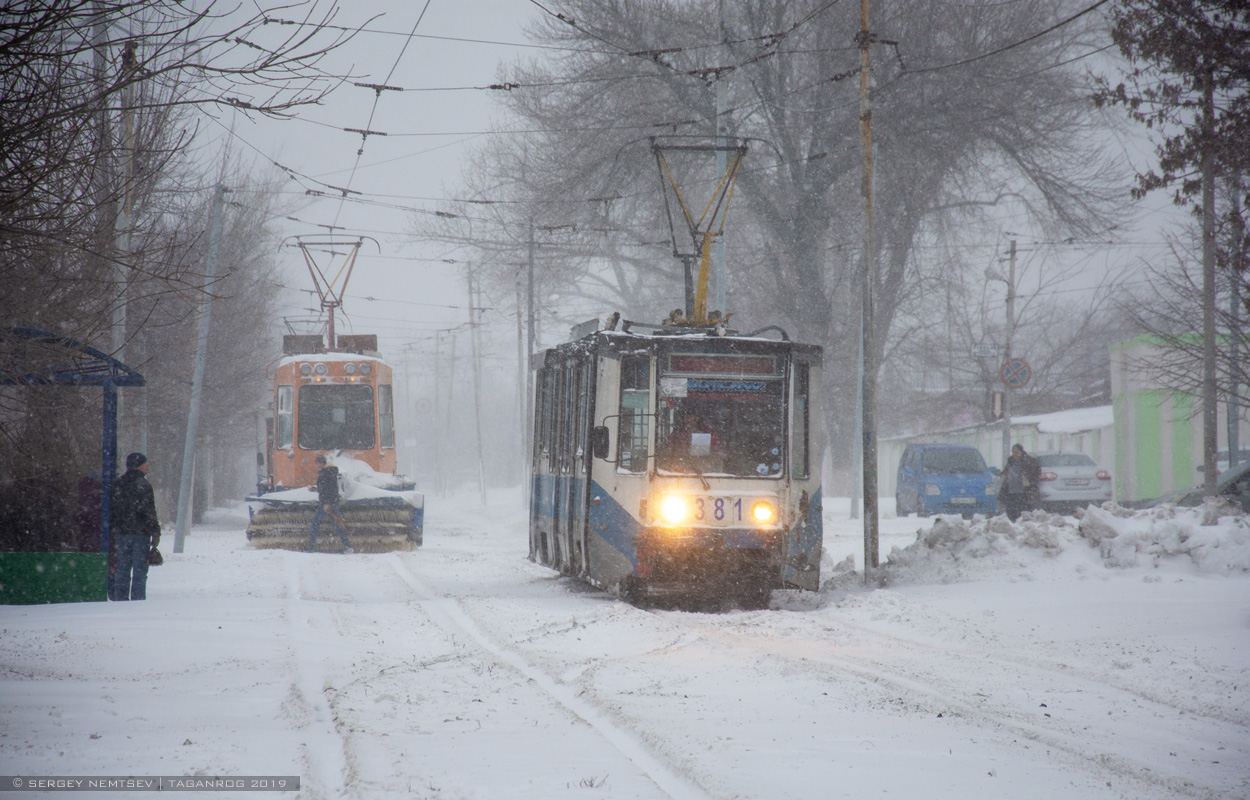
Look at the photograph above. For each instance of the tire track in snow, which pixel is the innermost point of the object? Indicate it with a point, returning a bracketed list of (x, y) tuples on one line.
[(324, 749), (1080, 751), (449, 615)]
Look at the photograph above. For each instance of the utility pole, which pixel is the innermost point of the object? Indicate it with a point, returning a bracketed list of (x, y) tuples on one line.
[(530, 350), (197, 380), (1011, 332), (1235, 269), (440, 474), (720, 274), (125, 215), (477, 388), (1209, 408), (868, 384)]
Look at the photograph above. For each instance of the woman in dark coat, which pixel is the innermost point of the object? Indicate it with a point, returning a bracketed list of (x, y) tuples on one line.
[(1019, 491)]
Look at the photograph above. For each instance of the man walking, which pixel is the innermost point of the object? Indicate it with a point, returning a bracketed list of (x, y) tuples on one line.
[(327, 505), (135, 528)]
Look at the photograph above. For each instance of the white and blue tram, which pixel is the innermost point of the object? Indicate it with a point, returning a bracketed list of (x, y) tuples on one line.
[(679, 461)]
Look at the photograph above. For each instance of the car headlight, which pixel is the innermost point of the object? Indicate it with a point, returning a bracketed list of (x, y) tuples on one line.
[(932, 490), (674, 509), (763, 512)]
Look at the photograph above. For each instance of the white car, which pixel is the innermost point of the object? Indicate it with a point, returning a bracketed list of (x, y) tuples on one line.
[(1071, 480)]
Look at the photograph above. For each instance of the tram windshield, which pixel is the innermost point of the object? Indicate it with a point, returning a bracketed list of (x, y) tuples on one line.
[(336, 417), (721, 425)]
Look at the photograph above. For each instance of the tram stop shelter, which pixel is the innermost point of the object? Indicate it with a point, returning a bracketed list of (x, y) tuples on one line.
[(32, 357)]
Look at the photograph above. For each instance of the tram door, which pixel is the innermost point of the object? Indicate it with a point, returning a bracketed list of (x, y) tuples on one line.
[(573, 515)]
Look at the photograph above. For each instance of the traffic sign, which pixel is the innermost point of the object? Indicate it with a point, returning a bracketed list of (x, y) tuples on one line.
[(1015, 372), (984, 350)]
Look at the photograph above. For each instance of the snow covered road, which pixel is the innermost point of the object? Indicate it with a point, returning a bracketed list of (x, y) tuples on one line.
[(1012, 664)]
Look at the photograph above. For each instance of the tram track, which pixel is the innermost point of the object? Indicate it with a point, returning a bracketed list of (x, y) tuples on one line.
[(326, 750), (858, 654), (448, 614)]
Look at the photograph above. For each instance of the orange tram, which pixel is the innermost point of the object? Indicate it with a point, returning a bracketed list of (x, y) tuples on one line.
[(340, 404)]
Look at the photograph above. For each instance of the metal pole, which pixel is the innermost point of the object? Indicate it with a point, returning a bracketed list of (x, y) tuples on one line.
[(1011, 332), (197, 380), (720, 276), (868, 383)]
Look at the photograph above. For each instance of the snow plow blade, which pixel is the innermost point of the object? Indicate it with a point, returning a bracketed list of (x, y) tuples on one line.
[(374, 525)]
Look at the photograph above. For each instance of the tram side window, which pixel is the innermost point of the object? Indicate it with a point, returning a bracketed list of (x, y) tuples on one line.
[(799, 440), (386, 415), (285, 434), (635, 413)]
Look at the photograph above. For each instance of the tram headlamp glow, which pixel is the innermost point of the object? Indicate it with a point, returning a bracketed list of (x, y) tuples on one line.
[(762, 511), (674, 509)]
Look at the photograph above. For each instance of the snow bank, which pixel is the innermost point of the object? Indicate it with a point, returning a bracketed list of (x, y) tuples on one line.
[(1212, 539)]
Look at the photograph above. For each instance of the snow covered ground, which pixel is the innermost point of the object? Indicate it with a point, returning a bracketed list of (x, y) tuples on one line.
[(1033, 660)]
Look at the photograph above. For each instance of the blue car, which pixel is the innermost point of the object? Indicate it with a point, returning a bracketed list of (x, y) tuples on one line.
[(945, 479)]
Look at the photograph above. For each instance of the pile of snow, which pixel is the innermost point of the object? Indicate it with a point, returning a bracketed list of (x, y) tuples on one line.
[(355, 471), (1211, 539), (357, 481)]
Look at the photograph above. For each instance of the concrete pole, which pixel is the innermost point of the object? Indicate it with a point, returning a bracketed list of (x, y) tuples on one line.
[(868, 385), (1209, 396), (1011, 332), (720, 274), (1234, 328), (197, 380), (477, 388)]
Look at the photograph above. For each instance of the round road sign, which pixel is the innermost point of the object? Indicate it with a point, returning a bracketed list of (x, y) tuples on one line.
[(1015, 372)]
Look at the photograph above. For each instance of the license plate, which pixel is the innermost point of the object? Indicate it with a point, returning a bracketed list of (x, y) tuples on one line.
[(963, 501), (1076, 481)]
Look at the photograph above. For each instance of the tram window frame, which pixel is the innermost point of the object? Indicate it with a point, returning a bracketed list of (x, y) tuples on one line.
[(800, 426), (583, 397), (634, 421), (386, 416), (550, 418), (284, 408)]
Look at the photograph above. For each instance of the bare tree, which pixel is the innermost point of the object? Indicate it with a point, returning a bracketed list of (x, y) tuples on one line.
[(970, 108), (103, 207)]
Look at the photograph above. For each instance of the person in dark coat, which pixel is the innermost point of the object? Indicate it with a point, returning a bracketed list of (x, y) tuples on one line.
[(1019, 491), (135, 529), (327, 505)]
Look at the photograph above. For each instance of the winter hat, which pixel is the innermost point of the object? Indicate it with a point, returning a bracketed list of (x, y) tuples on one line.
[(136, 460)]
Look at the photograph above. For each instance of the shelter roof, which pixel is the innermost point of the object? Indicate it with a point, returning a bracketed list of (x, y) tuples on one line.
[(33, 357)]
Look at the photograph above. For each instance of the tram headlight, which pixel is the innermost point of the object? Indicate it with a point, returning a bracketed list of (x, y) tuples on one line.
[(305, 369), (320, 369), (365, 369), (763, 512), (675, 509), (349, 368)]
